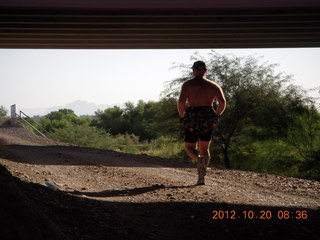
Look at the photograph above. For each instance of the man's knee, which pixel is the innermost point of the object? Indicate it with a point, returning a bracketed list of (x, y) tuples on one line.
[(191, 146), (191, 149), (204, 148)]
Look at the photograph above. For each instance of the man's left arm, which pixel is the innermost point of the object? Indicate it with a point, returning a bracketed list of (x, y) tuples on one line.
[(222, 101)]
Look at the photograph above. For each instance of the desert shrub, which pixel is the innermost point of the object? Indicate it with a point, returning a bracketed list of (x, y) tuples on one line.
[(275, 157), (165, 147), (84, 135)]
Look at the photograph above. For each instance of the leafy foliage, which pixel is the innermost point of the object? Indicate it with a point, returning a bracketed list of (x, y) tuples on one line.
[(61, 119), (147, 120), (3, 112)]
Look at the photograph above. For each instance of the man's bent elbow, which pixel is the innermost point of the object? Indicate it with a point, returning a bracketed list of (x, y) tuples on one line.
[(181, 106), (222, 106)]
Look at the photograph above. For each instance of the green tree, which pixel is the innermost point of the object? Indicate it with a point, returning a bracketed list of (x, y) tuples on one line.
[(111, 120), (61, 119), (165, 121), (131, 119), (304, 135), (138, 118)]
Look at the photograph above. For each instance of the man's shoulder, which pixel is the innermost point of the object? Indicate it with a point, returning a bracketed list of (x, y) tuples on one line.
[(212, 83), (195, 82), (188, 82)]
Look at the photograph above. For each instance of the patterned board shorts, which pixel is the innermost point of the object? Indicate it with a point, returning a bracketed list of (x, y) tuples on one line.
[(200, 119)]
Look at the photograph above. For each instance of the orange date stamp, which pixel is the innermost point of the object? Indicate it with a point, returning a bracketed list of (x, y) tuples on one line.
[(260, 214)]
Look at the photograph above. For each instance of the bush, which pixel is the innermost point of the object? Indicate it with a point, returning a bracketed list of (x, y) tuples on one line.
[(84, 135), (3, 112), (127, 143), (165, 147), (275, 157)]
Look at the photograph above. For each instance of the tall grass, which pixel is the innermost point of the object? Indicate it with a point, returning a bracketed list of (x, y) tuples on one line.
[(275, 157), (88, 136), (165, 147)]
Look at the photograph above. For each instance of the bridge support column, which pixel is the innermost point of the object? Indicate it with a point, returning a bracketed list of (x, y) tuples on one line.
[(13, 120)]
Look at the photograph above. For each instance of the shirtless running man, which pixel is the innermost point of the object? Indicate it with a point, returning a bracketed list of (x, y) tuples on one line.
[(195, 107)]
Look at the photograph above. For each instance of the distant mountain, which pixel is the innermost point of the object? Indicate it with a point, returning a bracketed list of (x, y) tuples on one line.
[(79, 107)]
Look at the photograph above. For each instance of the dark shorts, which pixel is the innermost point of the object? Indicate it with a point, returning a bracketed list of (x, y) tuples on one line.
[(193, 137), (198, 122)]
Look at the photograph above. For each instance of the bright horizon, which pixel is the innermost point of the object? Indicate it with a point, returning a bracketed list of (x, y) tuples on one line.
[(32, 78)]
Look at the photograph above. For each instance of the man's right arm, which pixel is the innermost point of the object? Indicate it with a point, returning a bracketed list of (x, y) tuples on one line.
[(182, 101)]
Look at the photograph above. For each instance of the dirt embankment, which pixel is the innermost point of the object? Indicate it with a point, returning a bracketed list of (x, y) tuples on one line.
[(51, 190)]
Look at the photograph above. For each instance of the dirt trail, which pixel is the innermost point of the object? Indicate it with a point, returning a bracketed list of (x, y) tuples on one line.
[(162, 191)]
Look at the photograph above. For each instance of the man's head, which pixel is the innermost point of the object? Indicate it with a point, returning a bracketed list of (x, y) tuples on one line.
[(199, 69)]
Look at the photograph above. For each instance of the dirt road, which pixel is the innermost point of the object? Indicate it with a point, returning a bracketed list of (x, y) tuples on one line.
[(97, 194)]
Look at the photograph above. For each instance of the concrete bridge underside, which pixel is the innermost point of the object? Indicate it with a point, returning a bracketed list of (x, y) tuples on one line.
[(159, 27)]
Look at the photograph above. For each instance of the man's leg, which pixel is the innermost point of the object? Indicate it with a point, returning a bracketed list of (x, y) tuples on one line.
[(204, 151), (191, 149), (203, 161)]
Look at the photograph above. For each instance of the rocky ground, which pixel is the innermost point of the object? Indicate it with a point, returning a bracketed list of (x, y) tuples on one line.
[(51, 190)]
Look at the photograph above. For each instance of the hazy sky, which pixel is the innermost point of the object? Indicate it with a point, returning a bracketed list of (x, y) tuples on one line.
[(45, 78)]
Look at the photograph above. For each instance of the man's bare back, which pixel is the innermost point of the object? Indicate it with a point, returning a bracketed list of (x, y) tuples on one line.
[(200, 92)]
